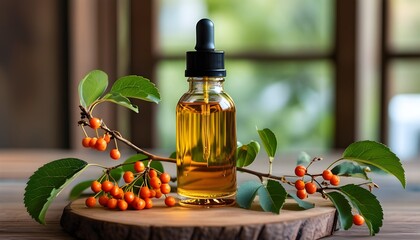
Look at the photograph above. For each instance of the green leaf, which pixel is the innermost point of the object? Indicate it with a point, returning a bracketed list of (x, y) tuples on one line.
[(367, 205), (120, 100), (246, 154), (300, 202), (378, 155), (132, 159), (304, 159), (92, 86), (350, 169), (136, 87), (343, 207), (173, 155), (157, 165), (272, 197), (269, 141), (247, 192), (47, 182), (79, 188), (116, 173)]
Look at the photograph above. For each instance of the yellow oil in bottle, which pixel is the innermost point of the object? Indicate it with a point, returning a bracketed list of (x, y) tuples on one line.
[(206, 128), (206, 147)]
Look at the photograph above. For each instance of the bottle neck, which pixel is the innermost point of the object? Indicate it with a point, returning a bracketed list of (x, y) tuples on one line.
[(206, 84)]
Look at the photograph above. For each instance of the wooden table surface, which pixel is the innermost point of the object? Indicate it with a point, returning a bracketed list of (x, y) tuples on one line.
[(401, 207)]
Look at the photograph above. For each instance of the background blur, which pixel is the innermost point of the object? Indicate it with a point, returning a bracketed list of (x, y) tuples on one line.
[(320, 73)]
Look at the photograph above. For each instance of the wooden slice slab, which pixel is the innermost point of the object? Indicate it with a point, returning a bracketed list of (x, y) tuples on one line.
[(161, 222)]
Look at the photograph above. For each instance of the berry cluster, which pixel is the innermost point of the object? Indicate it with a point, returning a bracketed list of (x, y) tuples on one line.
[(99, 143), (304, 188), (137, 192)]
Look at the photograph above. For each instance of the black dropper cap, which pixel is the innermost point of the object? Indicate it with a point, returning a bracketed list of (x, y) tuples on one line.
[(205, 61)]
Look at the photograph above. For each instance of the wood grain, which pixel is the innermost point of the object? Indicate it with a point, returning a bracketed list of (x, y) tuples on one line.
[(178, 222)]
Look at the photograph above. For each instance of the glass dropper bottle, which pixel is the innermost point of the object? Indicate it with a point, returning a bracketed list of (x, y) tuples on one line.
[(206, 128)]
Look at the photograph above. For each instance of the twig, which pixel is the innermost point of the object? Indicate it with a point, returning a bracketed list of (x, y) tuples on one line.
[(117, 135)]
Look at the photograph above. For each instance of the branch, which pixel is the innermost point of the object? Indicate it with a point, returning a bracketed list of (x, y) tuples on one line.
[(265, 175), (115, 134)]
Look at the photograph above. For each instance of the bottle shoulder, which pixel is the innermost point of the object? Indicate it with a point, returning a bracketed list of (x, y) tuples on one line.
[(222, 99)]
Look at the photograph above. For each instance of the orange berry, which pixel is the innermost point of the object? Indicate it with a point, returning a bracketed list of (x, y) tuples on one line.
[(165, 178), (335, 180), (115, 191), (301, 194), (155, 182), (101, 144), (358, 219), (92, 142), (86, 141), (300, 184), (128, 176), (107, 138), (112, 203), (152, 173), (165, 188), (103, 200), (95, 123), (129, 197), (115, 154), (327, 174), (300, 171), (120, 194), (149, 203), (107, 186), (96, 186), (158, 193), (170, 201), (152, 193), (90, 202), (122, 205), (139, 166), (144, 192), (310, 187), (138, 203)]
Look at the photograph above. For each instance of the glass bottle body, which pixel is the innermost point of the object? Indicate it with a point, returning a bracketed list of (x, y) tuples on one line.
[(206, 144)]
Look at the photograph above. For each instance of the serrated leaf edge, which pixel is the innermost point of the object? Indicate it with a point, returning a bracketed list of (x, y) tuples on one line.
[(355, 204), (54, 193), (402, 180), (148, 98)]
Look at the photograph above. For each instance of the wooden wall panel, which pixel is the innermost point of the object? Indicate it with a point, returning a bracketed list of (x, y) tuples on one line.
[(33, 74)]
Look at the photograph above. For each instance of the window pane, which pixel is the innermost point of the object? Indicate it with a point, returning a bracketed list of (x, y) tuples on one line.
[(405, 77), (267, 25), (404, 109), (293, 99), (404, 25)]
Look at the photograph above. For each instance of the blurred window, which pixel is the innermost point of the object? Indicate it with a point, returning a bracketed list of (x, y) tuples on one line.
[(279, 67), (401, 76), (320, 73)]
